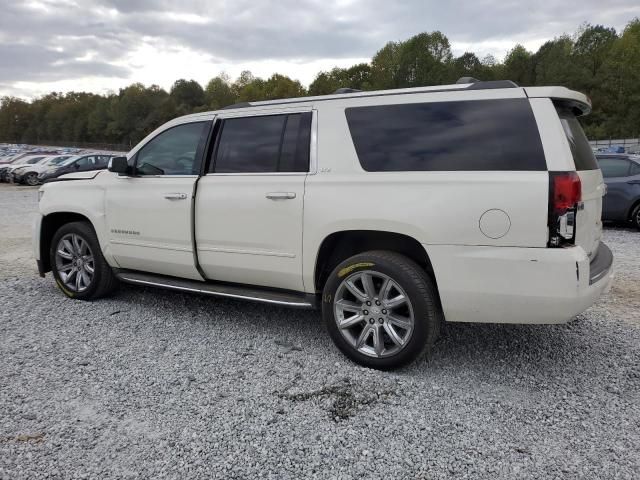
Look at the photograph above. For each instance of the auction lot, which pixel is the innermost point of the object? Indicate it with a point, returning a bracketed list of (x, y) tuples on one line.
[(153, 384)]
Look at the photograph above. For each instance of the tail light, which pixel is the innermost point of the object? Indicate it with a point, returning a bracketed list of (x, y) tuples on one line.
[(565, 193)]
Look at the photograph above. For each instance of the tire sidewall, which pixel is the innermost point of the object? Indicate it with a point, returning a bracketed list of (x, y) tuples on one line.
[(424, 311), (87, 234)]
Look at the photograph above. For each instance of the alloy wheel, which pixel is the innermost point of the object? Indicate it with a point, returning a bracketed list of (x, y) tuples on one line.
[(75, 262), (373, 313)]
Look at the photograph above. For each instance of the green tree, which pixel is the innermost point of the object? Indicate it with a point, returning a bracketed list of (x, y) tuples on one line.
[(518, 66), (219, 93), (385, 66), (188, 94), (424, 59), (553, 63)]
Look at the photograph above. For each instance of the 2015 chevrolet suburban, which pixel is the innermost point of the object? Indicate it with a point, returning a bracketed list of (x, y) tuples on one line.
[(390, 210)]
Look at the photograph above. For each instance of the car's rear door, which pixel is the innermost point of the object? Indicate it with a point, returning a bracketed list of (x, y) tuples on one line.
[(249, 205)]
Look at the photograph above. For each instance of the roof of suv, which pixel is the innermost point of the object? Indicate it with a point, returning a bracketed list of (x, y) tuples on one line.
[(579, 102)]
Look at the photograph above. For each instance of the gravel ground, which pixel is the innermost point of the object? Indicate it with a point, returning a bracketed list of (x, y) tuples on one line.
[(154, 384)]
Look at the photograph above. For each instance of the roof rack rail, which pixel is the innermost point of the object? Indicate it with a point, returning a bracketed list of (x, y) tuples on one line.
[(237, 105), (346, 90)]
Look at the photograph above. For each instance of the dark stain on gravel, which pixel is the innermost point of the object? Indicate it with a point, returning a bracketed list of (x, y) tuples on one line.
[(347, 399)]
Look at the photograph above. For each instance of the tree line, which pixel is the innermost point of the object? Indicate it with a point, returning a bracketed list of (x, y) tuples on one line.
[(596, 60)]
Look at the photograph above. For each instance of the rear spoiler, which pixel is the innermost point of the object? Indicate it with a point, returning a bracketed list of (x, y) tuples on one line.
[(578, 102)]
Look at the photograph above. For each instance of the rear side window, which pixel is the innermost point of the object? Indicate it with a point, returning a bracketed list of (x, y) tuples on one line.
[(614, 167), (264, 144), (583, 156), (447, 136), (635, 169)]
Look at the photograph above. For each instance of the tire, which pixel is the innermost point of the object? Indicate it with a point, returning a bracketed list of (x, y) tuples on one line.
[(30, 179), (77, 242), (394, 336), (635, 217)]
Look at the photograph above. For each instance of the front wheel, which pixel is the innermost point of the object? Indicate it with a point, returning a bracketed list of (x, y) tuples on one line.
[(31, 179), (77, 263), (381, 309)]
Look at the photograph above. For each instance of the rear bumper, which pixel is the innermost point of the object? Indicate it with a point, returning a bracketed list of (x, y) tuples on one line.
[(518, 285), (600, 264)]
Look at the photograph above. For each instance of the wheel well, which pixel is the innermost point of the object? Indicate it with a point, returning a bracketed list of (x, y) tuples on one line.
[(50, 225), (339, 246)]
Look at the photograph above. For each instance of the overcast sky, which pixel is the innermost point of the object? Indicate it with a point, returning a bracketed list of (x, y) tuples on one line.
[(101, 45)]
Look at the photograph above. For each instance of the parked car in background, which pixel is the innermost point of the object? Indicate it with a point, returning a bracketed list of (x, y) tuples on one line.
[(6, 170), (622, 176), (28, 174), (77, 163)]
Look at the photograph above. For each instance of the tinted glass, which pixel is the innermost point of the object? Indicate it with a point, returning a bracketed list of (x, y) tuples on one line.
[(583, 156), (635, 169), (250, 144), (294, 156), (173, 152), (84, 161), (468, 135), (274, 143), (614, 167)]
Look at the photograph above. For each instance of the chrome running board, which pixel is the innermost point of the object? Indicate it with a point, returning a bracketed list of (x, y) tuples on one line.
[(218, 289)]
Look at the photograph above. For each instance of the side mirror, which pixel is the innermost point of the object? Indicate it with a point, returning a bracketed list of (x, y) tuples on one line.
[(118, 165), (76, 166)]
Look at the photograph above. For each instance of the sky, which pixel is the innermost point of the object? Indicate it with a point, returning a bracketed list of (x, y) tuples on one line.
[(103, 45)]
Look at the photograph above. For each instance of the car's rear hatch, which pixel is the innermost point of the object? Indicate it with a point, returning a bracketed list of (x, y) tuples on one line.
[(588, 223)]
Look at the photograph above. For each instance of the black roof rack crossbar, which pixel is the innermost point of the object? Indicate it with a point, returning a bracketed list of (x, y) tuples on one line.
[(346, 90), (491, 84), (237, 105)]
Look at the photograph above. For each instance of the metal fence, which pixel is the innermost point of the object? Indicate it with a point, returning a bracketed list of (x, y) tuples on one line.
[(631, 145)]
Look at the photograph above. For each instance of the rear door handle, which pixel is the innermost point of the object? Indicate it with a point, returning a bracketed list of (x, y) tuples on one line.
[(634, 182), (175, 196), (281, 195)]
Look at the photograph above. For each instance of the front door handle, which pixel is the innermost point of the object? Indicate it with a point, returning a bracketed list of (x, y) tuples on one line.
[(634, 182), (175, 196), (281, 195)]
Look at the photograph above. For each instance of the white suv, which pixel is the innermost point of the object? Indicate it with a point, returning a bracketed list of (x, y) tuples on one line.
[(392, 210)]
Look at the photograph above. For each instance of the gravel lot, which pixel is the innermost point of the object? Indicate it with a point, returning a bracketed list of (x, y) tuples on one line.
[(154, 384)]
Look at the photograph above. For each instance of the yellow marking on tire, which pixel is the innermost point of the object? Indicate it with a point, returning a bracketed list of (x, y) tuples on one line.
[(346, 270)]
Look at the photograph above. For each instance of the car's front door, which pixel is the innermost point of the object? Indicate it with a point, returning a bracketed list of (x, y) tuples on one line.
[(149, 213), (249, 205)]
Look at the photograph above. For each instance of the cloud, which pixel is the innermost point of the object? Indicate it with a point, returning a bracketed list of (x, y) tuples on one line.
[(51, 40)]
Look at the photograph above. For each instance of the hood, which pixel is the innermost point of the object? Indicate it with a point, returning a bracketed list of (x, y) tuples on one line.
[(77, 176)]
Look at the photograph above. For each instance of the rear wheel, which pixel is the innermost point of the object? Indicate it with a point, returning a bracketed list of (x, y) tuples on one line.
[(381, 309), (77, 263), (635, 217)]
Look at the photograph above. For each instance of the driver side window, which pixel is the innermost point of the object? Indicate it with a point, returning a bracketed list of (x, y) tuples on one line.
[(173, 152)]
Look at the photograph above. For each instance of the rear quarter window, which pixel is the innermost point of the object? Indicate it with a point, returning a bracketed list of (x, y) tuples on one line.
[(474, 135)]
